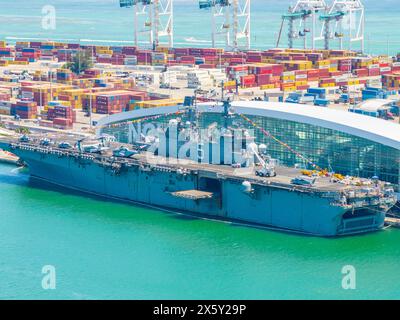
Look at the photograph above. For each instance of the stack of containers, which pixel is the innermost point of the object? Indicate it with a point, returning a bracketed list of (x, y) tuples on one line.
[(328, 82), (363, 72), (318, 93), (395, 67), (130, 60), (391, 81), (248, 81), (118, 59), (129, 51), (5, 108), (144, 57), (6, 52), (235, 72), (112, 102), (135, 97), (373, 93), (217, 75), (73, 96), (22, 44), (187, 60), (47, 48), (199, 79), (180, 52), (88, 98), (254, 57), (297, 65), (5, 95), (104, 54), (31, 53), (24, 109), (65, 55), (64, 116), (38, 94), (385, 68), (268, 76), (230, 85), (344, 65), (374, 70), (155, 103), (64, 75), (159, 59), (93, 73), (169, 77), (301, 81)]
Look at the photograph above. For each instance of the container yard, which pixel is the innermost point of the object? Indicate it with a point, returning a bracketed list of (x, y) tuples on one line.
[(36, 86)]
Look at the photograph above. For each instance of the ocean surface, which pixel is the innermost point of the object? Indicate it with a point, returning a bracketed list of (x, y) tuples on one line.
[(108, 250), (102, 21)]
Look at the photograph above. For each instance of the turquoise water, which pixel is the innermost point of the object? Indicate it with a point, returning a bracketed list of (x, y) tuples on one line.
[(101, 20), (102, 249)]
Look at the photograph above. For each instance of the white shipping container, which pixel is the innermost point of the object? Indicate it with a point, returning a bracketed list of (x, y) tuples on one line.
[(373, 66), (301, 76), (289, 73), (27, 94)]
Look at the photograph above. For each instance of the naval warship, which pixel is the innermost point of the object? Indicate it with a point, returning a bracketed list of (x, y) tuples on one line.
[(254, 191)]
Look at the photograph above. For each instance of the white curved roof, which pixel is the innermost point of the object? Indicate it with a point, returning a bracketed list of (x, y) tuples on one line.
[(370, 128), (375, 104)]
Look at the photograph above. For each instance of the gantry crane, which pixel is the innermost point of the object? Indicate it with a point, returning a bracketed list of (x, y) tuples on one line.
[(153, 20), (348, 17), (304, 11), (231, 20)]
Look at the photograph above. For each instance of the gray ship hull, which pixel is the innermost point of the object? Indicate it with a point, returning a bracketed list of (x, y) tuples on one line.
[(268, 206)]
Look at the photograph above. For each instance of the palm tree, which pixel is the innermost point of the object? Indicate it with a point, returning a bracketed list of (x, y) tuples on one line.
[(80, 62)]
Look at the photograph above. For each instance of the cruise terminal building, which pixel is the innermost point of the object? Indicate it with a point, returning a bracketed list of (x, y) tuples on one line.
[(340, 141)]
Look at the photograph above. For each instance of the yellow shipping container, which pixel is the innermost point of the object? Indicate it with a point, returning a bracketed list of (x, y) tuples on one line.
[(162, 49), (231, 83), (323, 63), (102, 48), (19, 62), (289, 78), (155, 103), (267, 86), (327, 85), (104, 51), (292, 88)]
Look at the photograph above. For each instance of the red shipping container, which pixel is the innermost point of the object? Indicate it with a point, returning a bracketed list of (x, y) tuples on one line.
[(277, 69), (248, 80), (262, 79), (361, 72)]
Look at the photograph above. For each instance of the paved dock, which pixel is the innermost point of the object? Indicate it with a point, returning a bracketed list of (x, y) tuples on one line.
[(6, 157), (393, 222)]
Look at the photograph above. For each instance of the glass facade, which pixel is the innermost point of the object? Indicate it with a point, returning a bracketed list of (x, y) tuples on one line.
[(330, 149)]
